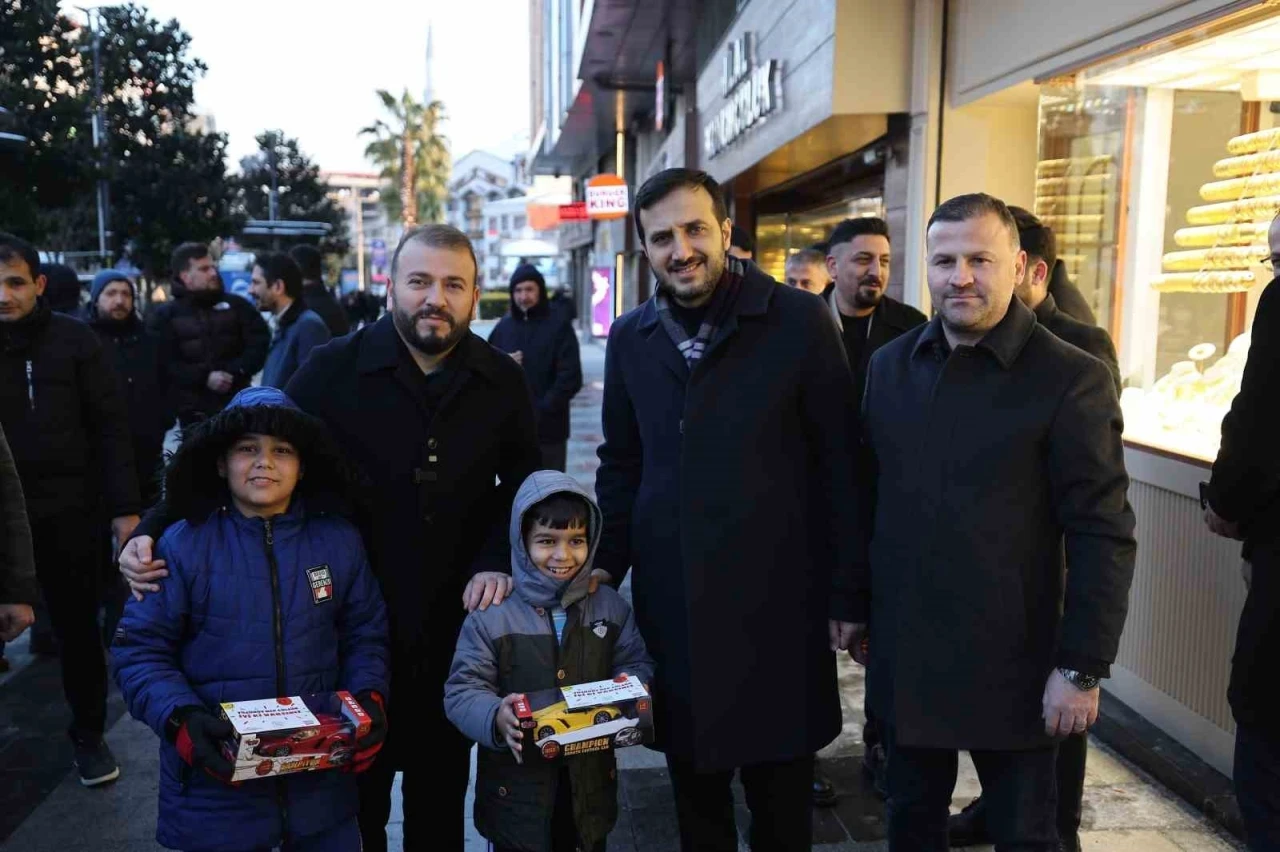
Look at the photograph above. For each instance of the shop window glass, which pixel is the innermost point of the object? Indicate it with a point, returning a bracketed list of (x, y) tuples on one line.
[(780, 235)]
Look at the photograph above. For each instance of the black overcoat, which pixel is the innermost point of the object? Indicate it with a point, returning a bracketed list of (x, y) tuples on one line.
[(982, 460), (707, 485)]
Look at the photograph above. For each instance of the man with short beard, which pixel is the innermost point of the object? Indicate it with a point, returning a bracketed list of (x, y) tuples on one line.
[(441, 425), (726, 480)]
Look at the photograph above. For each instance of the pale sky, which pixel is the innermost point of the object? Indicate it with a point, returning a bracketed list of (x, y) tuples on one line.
[(286, 64)]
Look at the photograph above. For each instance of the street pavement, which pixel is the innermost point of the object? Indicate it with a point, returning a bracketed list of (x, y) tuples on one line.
[(44, 809)]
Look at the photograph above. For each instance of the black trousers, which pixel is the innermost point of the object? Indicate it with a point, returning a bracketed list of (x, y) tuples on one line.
[(1257, 783), (69, 568), (779, 796), (1073, 754), (1019, 788), (564, 831), (555, 456), (433, 793)]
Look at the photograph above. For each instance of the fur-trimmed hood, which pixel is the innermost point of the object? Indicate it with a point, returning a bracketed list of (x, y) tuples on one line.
[(193, 488)]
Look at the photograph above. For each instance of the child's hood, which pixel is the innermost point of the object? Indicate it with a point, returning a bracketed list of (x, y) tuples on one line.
[(530, 583), (193, 487)]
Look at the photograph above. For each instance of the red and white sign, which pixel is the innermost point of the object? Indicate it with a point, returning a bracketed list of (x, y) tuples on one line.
[(575, 212), (607, 197)]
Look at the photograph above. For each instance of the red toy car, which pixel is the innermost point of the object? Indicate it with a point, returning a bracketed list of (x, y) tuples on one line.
[(332, 737)]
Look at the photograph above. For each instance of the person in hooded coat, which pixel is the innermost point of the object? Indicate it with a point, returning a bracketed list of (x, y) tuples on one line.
[(514, 648), (540, 340), (62, 288), (240, 620)]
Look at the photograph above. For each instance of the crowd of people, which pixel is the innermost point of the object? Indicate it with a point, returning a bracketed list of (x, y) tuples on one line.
[(789, 471)]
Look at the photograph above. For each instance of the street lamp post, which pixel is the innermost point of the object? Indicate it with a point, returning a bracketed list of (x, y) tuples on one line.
[(99, 131)]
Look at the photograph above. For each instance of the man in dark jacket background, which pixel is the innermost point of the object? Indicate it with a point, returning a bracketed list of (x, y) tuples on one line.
[(135, 354), (276, 286), (63, 414), (317, 296), (544, 344), (988, 442), (969, 827), (441, 425), (1068, 296), (213, 342), (1243, 502), (728, 406)]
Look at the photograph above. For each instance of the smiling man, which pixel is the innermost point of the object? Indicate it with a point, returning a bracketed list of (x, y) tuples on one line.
[(990, 444), (441, 425), (728, 410)]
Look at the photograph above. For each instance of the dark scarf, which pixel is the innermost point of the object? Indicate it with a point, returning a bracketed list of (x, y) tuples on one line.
[(722, 302)]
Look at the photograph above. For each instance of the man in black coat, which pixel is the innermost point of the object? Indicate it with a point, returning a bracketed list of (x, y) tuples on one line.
[(728, 406), (18, 589), (544, 344), (969, 827), (315, 295), (64, 417), (1243, 502), (135, 353), (213, 341), (1068, 296), (441, 425), (858, 261), (988, 441)]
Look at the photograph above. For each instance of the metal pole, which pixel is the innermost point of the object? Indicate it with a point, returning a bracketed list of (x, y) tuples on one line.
[(273, 201), (359, 197), (99, 136)]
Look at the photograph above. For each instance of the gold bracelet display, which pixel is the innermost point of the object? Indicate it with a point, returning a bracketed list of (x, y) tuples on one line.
[(1207, 236), (1072, 185), (1234, 189), (1244, 210), (1195, 260), (1071, 166), (1077, 239), (1249, 143), (1262, 162), (1073, 222), (1072, 204), (1203, 282)]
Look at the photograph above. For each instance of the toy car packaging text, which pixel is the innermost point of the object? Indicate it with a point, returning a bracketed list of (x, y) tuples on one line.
[(585, 718), (299, 733)]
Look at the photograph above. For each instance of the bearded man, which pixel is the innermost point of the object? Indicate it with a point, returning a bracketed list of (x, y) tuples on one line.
[(726, 482), (441, 425)]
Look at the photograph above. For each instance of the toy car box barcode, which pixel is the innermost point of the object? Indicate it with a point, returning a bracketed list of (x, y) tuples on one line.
[(298, 733), (585, 718)]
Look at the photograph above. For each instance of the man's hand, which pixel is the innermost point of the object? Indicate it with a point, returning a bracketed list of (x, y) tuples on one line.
[(123, 527), (598, 576), (220, 381), (1220, 526), (485, 588), (508, 726), (859, 645), (139, 568), (841, 634), (1068, 709), (15, 618), (518, 357)]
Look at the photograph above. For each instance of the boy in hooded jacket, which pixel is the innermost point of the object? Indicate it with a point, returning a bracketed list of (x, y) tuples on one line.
[(558, 628), (270, 594)]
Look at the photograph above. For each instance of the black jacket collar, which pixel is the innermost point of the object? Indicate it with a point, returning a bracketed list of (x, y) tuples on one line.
[(20, 334), (1004, 342), (381, 344), (753, 299), (290, 315), (1046, 310)]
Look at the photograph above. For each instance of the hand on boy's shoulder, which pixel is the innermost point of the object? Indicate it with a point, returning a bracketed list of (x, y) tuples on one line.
[(599, 577)]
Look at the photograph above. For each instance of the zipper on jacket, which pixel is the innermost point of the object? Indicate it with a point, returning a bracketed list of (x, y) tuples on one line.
[(31, 387), (278, 623)]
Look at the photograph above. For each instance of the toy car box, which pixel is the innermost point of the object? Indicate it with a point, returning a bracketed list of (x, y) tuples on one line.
[(585, 718), (298, 733)]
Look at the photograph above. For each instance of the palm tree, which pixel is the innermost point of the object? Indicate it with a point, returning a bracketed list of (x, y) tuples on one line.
[(413, 156)]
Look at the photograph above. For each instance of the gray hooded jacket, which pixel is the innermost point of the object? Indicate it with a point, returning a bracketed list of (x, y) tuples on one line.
[(512, 648)]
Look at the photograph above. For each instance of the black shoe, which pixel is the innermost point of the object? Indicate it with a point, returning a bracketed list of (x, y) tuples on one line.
[(1069, 843), (969, 827), (874, 764), (95, 762), (824, 794)]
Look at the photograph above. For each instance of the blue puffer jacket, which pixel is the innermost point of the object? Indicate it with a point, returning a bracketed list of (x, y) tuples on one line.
[(209, 636)]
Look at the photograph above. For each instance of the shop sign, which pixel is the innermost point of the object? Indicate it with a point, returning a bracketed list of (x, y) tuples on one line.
[(607, 197), (575, 212), (752, 91), (660, 98), (575, 235)]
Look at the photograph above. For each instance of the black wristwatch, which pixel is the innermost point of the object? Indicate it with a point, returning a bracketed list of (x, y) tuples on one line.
[(1079, 680)]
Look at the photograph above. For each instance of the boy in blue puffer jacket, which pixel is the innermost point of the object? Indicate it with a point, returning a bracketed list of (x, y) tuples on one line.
[(260, 488)]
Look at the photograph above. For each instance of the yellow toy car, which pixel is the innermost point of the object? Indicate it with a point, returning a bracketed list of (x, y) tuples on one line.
[(559, 719)]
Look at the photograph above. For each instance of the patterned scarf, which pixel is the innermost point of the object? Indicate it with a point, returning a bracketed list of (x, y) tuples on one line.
[(722, 302)]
